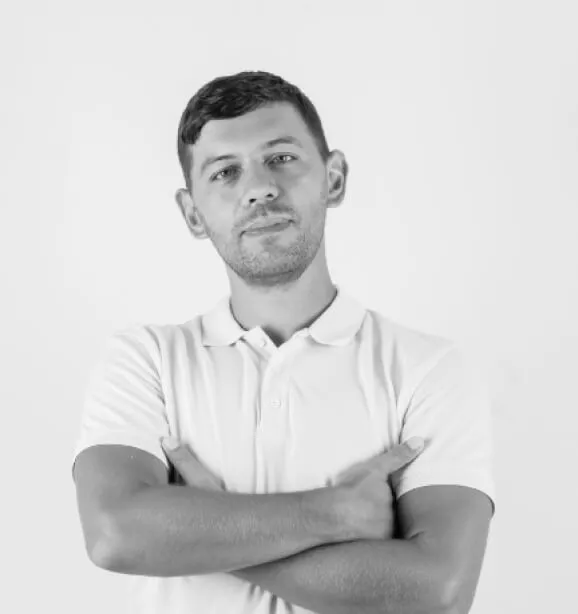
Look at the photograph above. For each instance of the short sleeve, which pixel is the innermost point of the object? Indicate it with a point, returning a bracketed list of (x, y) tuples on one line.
[(450, 408), (124, 402)]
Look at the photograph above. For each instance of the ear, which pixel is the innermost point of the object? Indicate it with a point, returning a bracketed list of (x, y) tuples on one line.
[(190, 213), (337, 170)]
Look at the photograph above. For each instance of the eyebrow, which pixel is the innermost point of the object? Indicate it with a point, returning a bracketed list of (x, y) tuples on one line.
[(282, 140)]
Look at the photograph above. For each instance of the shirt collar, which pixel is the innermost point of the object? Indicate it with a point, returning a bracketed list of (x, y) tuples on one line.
[(337, 325)]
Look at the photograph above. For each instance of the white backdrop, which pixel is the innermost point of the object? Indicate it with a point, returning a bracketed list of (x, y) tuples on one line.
[(459, 121)]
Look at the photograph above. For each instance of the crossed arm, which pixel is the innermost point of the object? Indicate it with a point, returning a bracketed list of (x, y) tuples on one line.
[(365, 577), (432, 568)]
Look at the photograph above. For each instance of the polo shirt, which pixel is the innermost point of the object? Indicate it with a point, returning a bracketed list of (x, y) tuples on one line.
[(269, 419)]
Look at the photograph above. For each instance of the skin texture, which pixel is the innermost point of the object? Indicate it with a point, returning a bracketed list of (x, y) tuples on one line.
[(137, 521), (327, 579), (362, 483), (278, 281)]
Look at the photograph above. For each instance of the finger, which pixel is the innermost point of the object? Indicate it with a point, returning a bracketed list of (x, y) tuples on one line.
[(354, 470), (188, 465), (406, 451), (177, 452), (402, 454), (182, 457)]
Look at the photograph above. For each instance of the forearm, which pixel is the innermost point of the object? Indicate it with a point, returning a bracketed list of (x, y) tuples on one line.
[(177, 531), (365, 577)]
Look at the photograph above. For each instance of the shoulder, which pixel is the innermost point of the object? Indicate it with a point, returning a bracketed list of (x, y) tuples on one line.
[(408, 353), (410, 343), (153, 340)]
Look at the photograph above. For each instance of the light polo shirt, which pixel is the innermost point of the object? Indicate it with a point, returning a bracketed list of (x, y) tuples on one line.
[(270, 419)]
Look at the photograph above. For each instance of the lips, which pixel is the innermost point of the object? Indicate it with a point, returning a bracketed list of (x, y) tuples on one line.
[(268, 224)]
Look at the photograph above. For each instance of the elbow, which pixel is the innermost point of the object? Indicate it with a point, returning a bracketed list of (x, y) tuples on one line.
[(447, 604), (434, 594), (101, 555), (103, 546), (429, 596), (454, 600), (442, 601)]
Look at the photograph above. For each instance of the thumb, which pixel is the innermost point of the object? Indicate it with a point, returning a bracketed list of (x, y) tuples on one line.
[(402, 454), (414, 444), (175, 450)]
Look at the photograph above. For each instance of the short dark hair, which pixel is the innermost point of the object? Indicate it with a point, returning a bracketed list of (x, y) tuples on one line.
[(234, 95)]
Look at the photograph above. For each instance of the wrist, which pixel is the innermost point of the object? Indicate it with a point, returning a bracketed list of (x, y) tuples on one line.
[(325, 513)]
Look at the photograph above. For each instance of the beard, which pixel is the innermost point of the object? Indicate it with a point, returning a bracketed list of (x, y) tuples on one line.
[(262, 263)]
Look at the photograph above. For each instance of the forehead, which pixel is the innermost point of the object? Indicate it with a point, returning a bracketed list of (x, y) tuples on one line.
[(249, 131)]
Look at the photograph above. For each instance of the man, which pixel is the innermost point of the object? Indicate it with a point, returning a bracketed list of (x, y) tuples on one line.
[(251, 459)]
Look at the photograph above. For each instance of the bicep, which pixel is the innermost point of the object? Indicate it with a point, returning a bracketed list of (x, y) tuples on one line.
[(104, 475), (449, 524)]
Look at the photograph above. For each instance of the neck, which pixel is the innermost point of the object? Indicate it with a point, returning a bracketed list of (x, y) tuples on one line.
[(284, 309)]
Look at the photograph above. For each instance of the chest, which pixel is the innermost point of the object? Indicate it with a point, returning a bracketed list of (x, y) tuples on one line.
[(281, 425)]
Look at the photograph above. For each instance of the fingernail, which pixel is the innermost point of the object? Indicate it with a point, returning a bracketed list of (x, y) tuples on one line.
[(415, 443), (171, 443)]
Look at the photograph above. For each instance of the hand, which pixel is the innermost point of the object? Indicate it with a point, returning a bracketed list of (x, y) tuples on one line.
[(189, 467), (364, 495)]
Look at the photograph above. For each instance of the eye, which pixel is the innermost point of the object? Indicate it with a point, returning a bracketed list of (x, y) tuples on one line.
[(216, 175), (284, 156)]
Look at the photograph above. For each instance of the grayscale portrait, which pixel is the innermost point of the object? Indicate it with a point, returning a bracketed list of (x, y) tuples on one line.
[(292, 305)]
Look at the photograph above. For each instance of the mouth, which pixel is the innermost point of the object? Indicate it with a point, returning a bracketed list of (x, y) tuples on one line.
[(271, 228)]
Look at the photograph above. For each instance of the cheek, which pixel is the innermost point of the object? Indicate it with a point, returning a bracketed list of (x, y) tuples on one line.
[(222, 228), (302, 181), (316, 185), (303, 192), (211, 214)]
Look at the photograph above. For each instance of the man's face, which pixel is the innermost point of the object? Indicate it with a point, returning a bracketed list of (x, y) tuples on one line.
[(258, 181)]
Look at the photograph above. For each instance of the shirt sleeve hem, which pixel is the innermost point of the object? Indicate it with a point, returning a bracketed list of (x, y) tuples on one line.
[(123, 439), (483, 485)]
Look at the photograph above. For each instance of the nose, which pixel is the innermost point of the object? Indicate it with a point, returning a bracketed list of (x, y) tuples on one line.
[(260, 189)]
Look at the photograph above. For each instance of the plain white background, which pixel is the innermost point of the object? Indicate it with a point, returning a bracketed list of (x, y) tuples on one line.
[(459, 121)]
